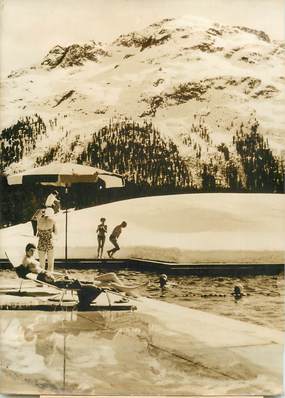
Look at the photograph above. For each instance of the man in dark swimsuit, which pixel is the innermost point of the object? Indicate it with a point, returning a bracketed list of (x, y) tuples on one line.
[(113, 238), (86, 291)]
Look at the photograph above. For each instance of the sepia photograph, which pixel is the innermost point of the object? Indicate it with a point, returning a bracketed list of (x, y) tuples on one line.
[(142, 212)]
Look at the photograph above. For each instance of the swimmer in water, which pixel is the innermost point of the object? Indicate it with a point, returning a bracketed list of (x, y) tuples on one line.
[(162, 281), (238, 291)]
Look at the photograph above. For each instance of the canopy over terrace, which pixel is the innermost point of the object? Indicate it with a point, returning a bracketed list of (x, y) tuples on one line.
[(65, 174)]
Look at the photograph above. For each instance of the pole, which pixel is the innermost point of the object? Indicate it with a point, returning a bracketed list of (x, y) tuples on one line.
[(64, 359), (66, 210)]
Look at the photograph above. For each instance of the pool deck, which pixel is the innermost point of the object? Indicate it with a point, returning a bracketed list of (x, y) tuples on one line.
[(42, 298), (225, 347), (230, 348)]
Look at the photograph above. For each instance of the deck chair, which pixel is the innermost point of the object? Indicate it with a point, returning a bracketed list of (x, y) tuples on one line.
[(18, 268), (86, 292)]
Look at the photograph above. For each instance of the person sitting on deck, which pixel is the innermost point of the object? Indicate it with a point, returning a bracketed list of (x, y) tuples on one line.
[(31, 265), (110, 280)]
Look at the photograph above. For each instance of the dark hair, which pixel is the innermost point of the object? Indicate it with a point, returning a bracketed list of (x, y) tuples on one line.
[(102, 219), (30, 246), (124, 224)]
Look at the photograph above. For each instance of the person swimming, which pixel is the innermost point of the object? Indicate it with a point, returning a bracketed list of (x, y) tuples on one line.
[(238, 292), (162, 281)]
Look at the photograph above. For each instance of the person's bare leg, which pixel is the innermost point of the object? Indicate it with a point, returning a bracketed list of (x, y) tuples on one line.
[(50, 257), (113, 281), (110, 253), (98, 249), (128, 289), (115, 248), (109, 277), (42, 258), (102, 247)]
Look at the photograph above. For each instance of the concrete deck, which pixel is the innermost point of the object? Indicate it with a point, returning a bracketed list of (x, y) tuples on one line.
[(37, 298)]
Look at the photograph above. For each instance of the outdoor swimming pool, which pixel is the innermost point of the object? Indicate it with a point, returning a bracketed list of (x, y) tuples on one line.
[(113, 353), (263, 305)]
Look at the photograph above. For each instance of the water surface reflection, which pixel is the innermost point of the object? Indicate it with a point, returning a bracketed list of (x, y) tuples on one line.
[(108, 353)]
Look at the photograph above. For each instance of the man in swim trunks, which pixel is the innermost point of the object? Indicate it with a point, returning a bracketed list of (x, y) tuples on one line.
[(110, 280), (114, 237), (31, 265)]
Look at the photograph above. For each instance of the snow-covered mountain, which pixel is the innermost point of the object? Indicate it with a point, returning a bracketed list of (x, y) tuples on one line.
[(198, 82)]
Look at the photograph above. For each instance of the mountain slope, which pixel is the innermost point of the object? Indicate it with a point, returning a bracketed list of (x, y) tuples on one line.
[(197, 82)]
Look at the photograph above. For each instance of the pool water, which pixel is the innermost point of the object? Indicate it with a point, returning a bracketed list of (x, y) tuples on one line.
[(112, 353), (101, 353), (262, 305)]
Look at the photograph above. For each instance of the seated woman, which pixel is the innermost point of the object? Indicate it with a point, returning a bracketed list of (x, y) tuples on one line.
[(31, 265)]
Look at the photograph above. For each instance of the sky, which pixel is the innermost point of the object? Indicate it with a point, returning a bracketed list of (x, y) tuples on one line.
[(30, 28)]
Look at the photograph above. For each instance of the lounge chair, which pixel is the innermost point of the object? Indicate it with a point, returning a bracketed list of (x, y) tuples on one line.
[(86, 292)]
